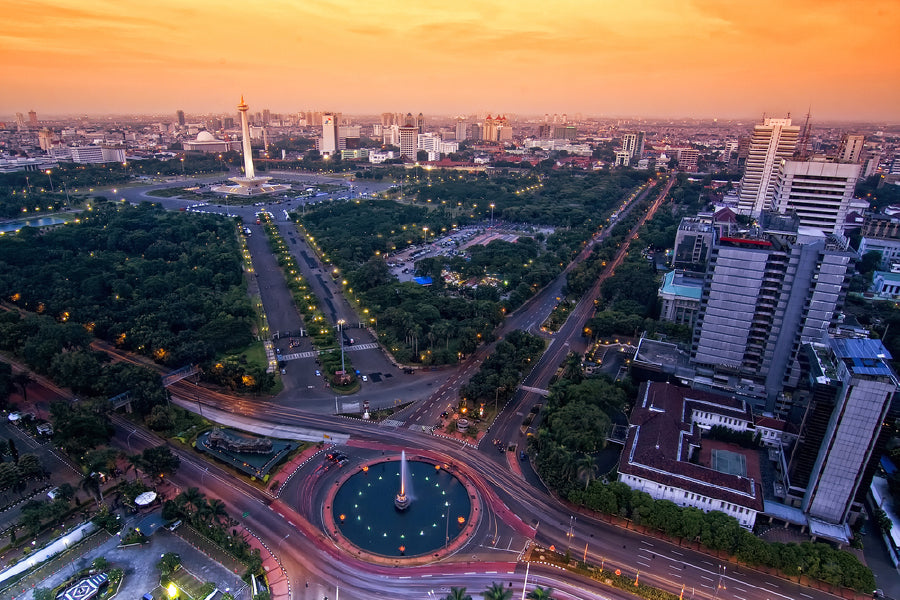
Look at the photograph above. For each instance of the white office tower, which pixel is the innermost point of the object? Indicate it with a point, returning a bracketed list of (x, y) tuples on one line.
[(329, 144), (819, 192), (851, 147), (774, 140)]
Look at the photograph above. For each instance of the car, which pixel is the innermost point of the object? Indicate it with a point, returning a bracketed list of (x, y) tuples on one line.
[(365, 378), (522, 455), (318, 373)]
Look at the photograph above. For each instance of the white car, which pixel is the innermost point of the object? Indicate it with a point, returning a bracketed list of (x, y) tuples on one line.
[(365, 378)]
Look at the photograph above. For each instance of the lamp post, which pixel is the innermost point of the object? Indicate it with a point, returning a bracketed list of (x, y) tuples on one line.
[(182, 167), (492, 215), (425, 234), (48, 172), (341, 330), (447, 526)]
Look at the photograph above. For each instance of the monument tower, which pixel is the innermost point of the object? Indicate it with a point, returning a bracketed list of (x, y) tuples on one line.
[(249, 184)]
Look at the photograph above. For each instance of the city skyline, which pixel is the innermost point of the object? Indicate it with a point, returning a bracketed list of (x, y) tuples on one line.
[(701, 59)]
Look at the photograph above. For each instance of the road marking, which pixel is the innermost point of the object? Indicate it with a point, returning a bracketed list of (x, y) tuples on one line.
[(706, 578), (740, 589), (802, 594), (646, 542), (643, 563), (674, 574), (678, 553), (739, 597), (706, 562), (770, 584), (427, 575), (405, 577)]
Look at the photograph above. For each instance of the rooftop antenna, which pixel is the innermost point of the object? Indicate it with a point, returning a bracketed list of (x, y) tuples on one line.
[(803, 144)]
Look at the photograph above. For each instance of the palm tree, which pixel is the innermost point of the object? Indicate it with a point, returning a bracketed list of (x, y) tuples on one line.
[(586, 469), (540, 593), (22, 380), (215, 511), (497, 592), (457, 594), (193, 501), (91, 484)]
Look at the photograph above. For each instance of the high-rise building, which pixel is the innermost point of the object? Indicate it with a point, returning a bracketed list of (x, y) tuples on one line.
[(461, 133), (489, 129), (409, 138), (179, 114), (774, 140), (329, 140), (851, 148), (32, 119), (348, 137), (628, 143), (842, 431), (420, 123), (20, 121), (819, 192), (687, 159), (767, 291), (45, 139)]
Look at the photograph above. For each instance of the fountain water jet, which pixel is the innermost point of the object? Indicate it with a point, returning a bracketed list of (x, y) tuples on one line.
[(401, 501)]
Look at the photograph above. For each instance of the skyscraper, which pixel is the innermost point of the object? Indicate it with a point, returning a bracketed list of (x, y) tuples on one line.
[(180, 115), (765, 292), (32, 119), (329, 143), (420, 123), (409, 139), (819, 192), (774, 140), (865, 387), (461, 132)]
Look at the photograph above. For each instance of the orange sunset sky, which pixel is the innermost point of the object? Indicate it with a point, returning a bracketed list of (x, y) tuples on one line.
[(627, 58)]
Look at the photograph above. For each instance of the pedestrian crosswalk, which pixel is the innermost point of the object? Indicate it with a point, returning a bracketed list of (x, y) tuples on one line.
[(391, 423), (315, 353)]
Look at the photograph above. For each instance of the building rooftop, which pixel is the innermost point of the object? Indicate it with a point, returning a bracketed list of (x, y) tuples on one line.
[(862, 356), (677, 284), (661, 440)]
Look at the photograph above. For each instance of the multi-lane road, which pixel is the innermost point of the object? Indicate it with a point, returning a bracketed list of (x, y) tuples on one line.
[(315, 566)]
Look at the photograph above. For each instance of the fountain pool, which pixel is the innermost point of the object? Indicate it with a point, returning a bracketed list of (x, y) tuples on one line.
[(364, 509)]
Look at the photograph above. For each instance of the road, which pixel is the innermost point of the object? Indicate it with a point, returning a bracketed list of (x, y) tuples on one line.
[(310, 557)]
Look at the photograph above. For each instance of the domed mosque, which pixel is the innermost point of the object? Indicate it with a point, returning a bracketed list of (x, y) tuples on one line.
[(207, 142)]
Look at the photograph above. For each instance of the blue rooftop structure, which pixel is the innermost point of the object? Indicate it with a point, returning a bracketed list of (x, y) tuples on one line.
[(671, 285), (862, 356), (424, 280)]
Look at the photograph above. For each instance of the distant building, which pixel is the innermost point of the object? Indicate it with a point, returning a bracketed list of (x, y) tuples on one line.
[(687, 159), (420, 123), (774, 140), (45, 139), (97, 154), (851, 148), (348, 137), (207, 142), (819, 192), (32, 119), (461, 129), (623, 158), (409, 138), (179, 115), (329, 140)]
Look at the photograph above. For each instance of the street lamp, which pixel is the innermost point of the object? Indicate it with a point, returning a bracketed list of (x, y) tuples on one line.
[(48, 172), (425, 234), (492, 215), (341, 330), (182, 167)]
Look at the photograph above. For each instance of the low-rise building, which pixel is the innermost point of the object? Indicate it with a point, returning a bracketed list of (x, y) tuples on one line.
[(663, 455)]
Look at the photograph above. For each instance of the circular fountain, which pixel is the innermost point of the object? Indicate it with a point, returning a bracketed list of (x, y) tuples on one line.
[(431, 510)]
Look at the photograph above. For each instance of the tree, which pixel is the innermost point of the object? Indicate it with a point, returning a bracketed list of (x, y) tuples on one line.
[(457, 593), (22, 380), (168, 564), (91, 483), (159, 461), (540, 593), (586, 468), (496, 591)]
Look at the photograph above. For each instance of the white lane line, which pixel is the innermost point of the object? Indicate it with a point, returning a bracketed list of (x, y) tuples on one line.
[(646, 542), (706, 578)]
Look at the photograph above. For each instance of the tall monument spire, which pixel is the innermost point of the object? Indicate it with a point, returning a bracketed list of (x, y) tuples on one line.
[(249, 184), (249, 173)]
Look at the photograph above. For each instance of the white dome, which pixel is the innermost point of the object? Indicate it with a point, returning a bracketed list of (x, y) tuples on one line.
[(205, 136)]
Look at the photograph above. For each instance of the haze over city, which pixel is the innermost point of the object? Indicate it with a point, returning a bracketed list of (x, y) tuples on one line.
[(701, 58)]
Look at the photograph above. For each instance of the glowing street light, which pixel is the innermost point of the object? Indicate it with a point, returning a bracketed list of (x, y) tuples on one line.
[(492, 215)]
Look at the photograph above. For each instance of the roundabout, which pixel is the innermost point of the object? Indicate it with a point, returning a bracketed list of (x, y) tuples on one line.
[(401, 512)]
